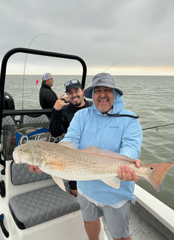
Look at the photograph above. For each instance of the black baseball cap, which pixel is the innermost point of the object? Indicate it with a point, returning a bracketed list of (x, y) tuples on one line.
[(74, 83)]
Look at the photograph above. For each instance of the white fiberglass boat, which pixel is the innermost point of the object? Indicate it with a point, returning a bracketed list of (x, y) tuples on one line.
[(32, 206)]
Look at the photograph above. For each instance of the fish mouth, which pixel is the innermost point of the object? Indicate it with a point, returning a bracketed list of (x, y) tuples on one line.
[(16, 157)]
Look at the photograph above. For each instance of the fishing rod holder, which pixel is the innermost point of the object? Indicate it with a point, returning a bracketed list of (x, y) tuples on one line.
[(2, 189)]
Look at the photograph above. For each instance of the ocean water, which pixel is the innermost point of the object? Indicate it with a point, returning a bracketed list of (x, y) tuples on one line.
[(150, 97)]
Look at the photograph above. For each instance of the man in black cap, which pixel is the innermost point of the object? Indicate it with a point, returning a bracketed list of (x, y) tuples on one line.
[(47, 96), (63, 112)]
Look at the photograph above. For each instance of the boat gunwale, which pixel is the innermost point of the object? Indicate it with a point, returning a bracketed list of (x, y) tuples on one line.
[(157, 208)]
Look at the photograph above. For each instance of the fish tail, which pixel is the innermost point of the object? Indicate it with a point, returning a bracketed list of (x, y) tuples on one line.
[(157, 173)]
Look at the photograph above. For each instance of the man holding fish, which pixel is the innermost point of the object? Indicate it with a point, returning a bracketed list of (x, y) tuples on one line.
[(102, 142), (122, 134)]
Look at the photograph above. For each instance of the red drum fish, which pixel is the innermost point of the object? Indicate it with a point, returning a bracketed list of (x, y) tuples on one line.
[(65, 161)]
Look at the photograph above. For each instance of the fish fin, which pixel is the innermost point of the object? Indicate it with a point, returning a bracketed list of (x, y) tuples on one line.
[(56, 166), (112, 182), (69, 144), (157, 175), (59, 182), (105, 152)]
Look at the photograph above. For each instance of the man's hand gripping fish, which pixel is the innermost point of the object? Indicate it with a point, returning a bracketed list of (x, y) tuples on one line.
[(65, 161)]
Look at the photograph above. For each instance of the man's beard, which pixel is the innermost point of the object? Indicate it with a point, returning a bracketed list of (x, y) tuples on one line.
[(77, 104)]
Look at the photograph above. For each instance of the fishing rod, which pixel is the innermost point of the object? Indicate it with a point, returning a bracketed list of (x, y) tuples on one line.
[(110, 66), (104, 71), (132, 116), (25, 67), (158, 127)]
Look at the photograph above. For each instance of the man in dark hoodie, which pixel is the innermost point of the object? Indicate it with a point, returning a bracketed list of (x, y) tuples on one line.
[(47, 96), (63, 112)]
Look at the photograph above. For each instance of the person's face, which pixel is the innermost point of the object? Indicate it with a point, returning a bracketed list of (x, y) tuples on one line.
[(75, 96), (50, 82), (103, 98)]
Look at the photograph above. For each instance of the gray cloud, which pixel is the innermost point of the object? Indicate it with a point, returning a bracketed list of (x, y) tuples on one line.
[(102, 32)]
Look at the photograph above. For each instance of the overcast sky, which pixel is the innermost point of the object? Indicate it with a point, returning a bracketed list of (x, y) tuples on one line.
[(135, 35)]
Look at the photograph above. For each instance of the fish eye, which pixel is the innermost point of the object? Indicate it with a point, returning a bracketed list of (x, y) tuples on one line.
[(151, 168)]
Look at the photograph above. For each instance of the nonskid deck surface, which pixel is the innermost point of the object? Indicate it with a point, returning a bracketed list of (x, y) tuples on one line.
[(143, 226), (143, 229)]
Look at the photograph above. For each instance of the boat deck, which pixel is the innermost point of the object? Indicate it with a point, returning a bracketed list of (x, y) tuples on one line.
[(144, 226)]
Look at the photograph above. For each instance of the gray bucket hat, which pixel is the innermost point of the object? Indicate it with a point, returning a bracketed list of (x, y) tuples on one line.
[(101, 79)]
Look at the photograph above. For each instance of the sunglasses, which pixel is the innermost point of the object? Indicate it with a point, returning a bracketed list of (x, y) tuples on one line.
[(71, 82)]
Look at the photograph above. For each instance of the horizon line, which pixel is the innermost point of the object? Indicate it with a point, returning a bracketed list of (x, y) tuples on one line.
[(95, 74)]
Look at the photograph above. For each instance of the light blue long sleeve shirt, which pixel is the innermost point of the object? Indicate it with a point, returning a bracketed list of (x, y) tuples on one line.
[(120, 134)]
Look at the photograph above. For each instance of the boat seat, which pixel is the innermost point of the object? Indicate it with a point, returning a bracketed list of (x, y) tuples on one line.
[(31, 208), (20, 174), (34, 119), (38, 206), (8, 120)]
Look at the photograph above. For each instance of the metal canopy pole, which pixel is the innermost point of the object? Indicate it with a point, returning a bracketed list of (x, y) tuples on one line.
[(34, 52)]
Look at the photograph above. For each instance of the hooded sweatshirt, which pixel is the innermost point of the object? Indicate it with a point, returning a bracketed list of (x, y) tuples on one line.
[(119, 134)]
